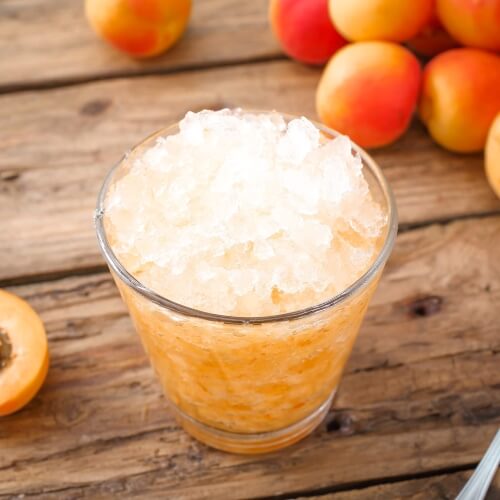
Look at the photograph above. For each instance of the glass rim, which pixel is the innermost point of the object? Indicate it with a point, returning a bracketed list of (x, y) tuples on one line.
[(119, 269)]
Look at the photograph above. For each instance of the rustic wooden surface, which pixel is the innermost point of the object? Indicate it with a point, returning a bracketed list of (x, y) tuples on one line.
[(420, 400), (442, 487), (48, 42)]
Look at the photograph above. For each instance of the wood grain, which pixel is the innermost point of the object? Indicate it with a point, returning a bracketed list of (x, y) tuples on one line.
[(57, 145), (420, 400), (50, 42), (421, 393), (442, 487)]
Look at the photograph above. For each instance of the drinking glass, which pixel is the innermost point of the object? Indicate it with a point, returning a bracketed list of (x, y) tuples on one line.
[(249, 384)]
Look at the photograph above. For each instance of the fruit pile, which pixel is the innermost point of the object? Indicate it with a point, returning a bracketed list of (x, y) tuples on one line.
[(372, 84)]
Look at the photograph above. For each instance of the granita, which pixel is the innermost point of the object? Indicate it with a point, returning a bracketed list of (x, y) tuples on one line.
[(246, 247)]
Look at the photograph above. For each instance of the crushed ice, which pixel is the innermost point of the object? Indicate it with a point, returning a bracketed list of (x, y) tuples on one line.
[(245, 214)]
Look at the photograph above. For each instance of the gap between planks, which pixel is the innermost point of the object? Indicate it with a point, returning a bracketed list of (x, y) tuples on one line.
[(361, 485), (57, 83)]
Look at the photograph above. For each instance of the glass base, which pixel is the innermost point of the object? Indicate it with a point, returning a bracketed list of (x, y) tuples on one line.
[(249, 444)]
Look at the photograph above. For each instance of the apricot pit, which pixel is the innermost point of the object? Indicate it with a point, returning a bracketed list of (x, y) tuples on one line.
[(24, 355)]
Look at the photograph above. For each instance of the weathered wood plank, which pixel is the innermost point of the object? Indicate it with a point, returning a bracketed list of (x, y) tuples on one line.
[(49, 41), (57, 145), (421, 392), (430, 488)]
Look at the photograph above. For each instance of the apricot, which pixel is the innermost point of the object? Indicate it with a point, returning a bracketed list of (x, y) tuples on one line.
[(492, 156), (389, 20), (433, 39), (460, 98), (369, 91), (24, 355), (474, 23), (304, 29), (140, 28)]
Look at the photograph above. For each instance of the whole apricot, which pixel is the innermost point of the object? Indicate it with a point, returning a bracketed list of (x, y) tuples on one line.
[(492, 156), (368, 91), (140, 28), (304, 29), (460, 98), (390, 20), (24, 355), (474, 23)]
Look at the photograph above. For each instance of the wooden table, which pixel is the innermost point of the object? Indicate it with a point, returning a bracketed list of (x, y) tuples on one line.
[(420, 399)]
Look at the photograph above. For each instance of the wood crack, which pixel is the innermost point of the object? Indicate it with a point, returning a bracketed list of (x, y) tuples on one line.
[(349, 486), (56, 83), (99, 443), (368, 483), (386, 365), (405, 228), (53, 276)]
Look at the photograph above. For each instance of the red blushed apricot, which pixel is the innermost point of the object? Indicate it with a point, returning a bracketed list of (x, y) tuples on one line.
[(492, 156), (389, 20), (474, 23), (368, 91), (460, 98), (137, 43), (432, 40), (304, 29), (141, 28), (24, 355)]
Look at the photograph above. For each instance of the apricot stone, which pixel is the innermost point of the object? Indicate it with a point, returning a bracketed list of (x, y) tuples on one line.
[(474, 23), (305, 30), (140, 28), (460, 98), (390, 20), (369, 91), (24, 355)]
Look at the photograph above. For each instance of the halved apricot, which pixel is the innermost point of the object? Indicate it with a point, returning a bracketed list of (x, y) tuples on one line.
[(24, 354)]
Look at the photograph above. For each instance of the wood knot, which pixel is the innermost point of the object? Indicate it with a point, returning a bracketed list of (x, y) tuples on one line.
[(195, 454), (425, 306), (70, 412), (9, 176), (95, 107), (341, 423)]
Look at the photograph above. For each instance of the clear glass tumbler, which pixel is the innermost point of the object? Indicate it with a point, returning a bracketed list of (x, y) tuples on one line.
[(249, 384)]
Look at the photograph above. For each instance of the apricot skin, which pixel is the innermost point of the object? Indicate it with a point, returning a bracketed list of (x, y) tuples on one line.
[(24, 372), (140, 28), (389, 20), (304, 29), (474, 23), (492, 156), (368, 91), (460, 98)]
